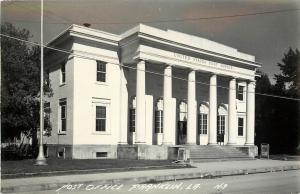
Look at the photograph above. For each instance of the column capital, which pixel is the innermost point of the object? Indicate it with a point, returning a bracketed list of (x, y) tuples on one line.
[(212, 74), (167, 65), (139, 60), (189, 70), (251, 82), (233, 77)]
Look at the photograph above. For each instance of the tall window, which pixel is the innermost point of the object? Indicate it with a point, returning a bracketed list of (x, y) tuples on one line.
[(101, 71), (100, 118), (240, 126), (221, 124), (132, 120), (63, 73), (158, 121), (240, 94), (63, 115), (202, 123)]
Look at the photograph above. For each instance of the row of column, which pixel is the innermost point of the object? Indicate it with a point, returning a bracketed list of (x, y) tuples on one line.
[(192, 108)]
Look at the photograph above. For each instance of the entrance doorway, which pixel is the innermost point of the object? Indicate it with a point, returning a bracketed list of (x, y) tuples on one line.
[(181, 137), (182, 123)]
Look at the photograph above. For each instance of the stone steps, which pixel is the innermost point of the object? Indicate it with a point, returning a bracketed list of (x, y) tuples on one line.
[(215, 153)]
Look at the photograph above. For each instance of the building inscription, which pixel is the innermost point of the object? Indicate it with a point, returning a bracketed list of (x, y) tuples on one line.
[(202, 61)]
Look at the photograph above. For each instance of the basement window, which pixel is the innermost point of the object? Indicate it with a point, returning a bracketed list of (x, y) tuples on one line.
[(61, 153)]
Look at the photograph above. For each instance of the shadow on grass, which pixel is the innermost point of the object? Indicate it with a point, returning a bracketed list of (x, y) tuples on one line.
[(26, 168)]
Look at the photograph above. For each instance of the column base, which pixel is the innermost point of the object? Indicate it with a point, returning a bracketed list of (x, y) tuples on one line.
[(122, 143), (140, 143), (213, 144), (190, 144), (167, 143), (231, 144), (40, 161), (249, 144)]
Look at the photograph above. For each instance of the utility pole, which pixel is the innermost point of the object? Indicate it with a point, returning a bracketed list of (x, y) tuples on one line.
[(41, 160)]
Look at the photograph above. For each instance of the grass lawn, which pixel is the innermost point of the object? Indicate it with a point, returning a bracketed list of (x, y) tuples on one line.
[(25, 168)]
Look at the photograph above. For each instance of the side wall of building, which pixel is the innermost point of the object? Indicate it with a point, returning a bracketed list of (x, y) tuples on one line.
[(89, 93), (58, 141)]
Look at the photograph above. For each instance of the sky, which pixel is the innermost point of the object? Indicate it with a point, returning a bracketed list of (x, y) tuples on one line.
[(266, 36)]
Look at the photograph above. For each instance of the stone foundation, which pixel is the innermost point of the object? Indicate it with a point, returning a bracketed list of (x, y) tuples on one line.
[(134, 152), (143, 152), (94, 151), (251, 151), (60, 151)]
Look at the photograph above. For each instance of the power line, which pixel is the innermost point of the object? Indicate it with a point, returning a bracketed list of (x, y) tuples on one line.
[(46, 12), (134, 68), (167, 20)]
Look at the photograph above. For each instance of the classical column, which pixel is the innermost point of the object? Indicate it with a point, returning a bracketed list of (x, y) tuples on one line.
[(250, 113), (167, 111), (232, 127), (123, 109), (192, 109), (140, 103), (212, 134)]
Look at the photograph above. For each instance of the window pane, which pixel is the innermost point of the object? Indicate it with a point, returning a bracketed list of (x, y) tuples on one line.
[(63, 111), (100, 112), (240, 126), (100, 76), (240, 131), (97, 124), (101, 66), (63, 125), (241, 92), (98, 66), (241, 121), (102, 125)]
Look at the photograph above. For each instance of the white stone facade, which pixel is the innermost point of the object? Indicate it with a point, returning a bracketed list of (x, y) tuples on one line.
[(147, 87)]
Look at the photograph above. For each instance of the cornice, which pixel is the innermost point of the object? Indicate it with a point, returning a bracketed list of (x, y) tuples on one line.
[(198, 50)]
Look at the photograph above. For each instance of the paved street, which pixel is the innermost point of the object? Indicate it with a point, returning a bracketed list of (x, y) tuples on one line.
[(276, 182)]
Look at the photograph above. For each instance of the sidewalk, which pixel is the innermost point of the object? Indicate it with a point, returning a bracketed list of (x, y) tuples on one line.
[(202, 170)]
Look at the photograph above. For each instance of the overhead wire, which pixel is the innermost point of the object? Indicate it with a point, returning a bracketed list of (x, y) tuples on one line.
[(164, 21), (134, 68)]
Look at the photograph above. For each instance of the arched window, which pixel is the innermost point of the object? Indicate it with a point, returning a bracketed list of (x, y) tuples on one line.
[(183, 111), (203, 118), (132, 113), (159, 116)]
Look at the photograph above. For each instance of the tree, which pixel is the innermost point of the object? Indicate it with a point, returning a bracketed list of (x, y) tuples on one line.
[(263, 123), (287, 83), (20, 85), (277, 119), (288, 79)]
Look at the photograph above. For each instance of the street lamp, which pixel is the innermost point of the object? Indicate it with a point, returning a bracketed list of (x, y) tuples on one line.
[(41, 160)]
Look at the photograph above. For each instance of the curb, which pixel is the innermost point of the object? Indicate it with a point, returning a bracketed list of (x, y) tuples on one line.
[(145, 179)]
